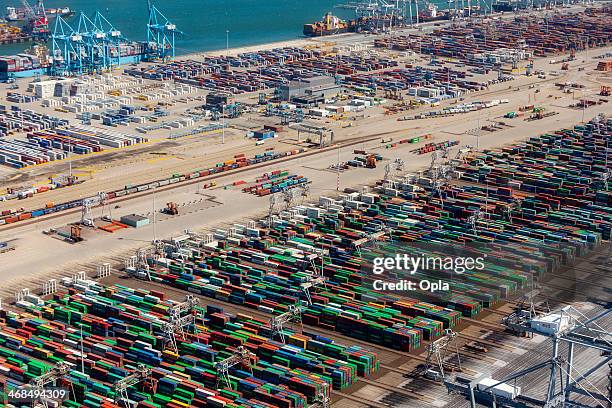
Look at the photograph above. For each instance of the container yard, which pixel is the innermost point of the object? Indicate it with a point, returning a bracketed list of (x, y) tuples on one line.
[(521, 39), (262, 268), (415, 215), (50, 145)]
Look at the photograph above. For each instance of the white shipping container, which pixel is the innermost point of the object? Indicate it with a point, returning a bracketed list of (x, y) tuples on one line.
[(551, 324), (501, 390)]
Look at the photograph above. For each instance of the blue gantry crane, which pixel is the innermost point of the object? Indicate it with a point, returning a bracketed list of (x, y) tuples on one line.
[(93, 40), (112, 40), (67, 49), (93, 44), (161, 34)]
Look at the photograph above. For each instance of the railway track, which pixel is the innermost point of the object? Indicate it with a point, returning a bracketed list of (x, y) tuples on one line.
[(407, 392), (360, 400), (344, 143), (487, 342), (482, 323)]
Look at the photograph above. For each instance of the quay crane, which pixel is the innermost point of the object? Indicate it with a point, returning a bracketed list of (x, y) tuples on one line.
[(92, 44), (161, 34), (37, 22)]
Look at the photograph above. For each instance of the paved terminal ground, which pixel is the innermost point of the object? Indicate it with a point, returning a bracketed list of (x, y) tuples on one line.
[(36, 254), (116, 168)]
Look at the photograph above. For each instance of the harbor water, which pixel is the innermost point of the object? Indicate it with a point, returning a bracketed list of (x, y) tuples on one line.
[(204, 22)]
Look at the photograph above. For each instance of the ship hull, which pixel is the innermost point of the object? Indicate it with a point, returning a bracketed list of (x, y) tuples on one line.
[(322, 33), (31, 73)]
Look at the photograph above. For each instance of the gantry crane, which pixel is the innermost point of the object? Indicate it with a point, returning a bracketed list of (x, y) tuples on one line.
[(437, 352), (316, 278), (161, 34), (100, 199), (396, 166), (441, 170), (567, 329), (524, 312), (322, 400), (138, 265), (289, 195), (326, 136), (605, 179), (371, 238), (93, 46), (463, 154), (241, 356), (38, 384), (36, 18), (67, 49), (474, 219), (514, 205), (271, 206), (177, 321), (120, 387), (277, 323)]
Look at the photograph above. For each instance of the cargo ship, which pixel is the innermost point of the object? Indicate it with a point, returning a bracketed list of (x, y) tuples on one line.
[(12, 35), (62, 11), (18, 14), (32, 62), (329, 25), (37, 60), (431, 13), (506, 5)]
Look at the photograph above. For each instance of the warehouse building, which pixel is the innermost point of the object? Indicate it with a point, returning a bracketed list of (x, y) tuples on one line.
[(134, 220), (315, 88)]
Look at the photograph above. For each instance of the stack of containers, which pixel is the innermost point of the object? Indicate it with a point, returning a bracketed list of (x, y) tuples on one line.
[(109, 330), (559, 219), (274, 182)]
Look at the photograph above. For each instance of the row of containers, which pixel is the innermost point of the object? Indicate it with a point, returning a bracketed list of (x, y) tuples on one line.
[(104, 333), (564, 212), (55, 144), (432, 147), (14, 119), (478, 44), (12, 216), (20, 62), (16, 97), (263, 73), (528, 35), (275, 182), (421, 82)]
